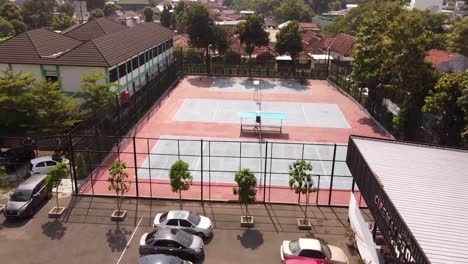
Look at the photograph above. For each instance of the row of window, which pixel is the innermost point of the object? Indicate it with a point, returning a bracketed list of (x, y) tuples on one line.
[(133, 64)]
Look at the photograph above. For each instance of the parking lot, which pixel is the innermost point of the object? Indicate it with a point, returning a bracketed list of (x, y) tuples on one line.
[(85, 233)]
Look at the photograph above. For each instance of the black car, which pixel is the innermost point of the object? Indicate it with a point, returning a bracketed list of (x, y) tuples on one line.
[(15, 157), (162, 259), (27, 198), (172, 241)]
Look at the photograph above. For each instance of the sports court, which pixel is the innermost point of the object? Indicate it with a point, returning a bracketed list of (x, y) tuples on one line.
[(200, 120)]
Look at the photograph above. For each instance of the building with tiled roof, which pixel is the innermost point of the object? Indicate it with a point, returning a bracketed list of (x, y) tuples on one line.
[(446, 62), (128, 56), (342, 46)]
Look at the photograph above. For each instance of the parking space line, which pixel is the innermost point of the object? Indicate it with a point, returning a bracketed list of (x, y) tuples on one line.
[(129, 241)]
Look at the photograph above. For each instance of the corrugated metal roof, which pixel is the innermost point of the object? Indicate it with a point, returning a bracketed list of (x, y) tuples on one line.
[(429, 187)]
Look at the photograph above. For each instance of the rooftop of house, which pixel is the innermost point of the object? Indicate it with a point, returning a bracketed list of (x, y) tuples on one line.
[(447, 61), (42, 46), (236, 46), (342, 44), (182, 40), (93, 29)]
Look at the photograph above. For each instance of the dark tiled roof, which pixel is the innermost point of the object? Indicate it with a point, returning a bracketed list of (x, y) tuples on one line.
[(94, 29), (38, 46)]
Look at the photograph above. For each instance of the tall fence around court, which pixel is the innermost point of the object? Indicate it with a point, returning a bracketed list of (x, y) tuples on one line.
[(213, 164)]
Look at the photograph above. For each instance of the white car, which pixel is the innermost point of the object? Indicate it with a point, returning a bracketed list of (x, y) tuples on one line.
[(185, 220), (43, 165), (312, 248)]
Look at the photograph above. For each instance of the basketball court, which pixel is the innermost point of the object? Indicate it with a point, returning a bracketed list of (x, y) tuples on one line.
[(200, 122)]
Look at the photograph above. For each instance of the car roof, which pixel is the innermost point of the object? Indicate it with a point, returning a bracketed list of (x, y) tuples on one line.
[(41, 159), (310, 243), (166, 234), (178, 214), (31, 182), (160, 259)]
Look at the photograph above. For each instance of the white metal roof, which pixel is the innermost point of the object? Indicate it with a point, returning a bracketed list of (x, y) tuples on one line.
[(429, 188)]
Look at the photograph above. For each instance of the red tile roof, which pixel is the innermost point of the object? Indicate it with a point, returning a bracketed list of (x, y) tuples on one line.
[(309, 26), (343, 44), (236, 46), (182, 40), (437, 57)]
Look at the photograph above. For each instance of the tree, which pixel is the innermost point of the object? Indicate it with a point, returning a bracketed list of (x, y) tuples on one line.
[(221, 43), (352, 20), (67, 9), (300, 180), (39, 13), (15, 110), (200, 28), (95, 91), (252, 34), (55, 111), (18, 26), (94, 4), (96, 13), (54, 178), (296, 10), (6, 29), (289, 40), (450, 107), (152, 3), (457, 39), (10, 11), (334, 5), (110, 9), (148, 11), (246, 183), (178, 16), (63, 23), (119, 182), (180, 178), (166, 17)]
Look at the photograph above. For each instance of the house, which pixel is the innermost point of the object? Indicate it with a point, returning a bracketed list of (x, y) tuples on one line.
[(129, 57), (182, 41), (432, 5), (303, 26), (447, 62), (128, 18), (270, 24), (132, 5), (264, 51)]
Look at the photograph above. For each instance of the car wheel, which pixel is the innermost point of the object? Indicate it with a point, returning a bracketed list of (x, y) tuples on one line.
[(201, 235)]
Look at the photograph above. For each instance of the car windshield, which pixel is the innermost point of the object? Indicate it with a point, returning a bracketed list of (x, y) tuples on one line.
[(20, 196), (294, 246), (325, 250), (194, 219), (163, 217), (184, 238)]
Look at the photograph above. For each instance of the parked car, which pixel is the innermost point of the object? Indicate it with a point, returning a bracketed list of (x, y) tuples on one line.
[(172, 241), (27, 198), (187, 221), (306, 261), (44, 164), (162, 259), (312, 248), (16, 157)]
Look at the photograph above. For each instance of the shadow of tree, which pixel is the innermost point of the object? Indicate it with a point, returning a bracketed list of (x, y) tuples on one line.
[(54, 229), (117, 239), (251, 238)]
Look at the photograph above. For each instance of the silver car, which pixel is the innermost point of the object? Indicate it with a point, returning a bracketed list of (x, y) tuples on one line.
[(185, 220), (162, 259), (174, 242)]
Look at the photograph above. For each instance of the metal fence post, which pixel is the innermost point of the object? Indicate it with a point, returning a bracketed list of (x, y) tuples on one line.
[(264, 172), (149, 167), (209, 170), (201, 169), (136, 167), (72, 159), (178, 149), (332, 175)]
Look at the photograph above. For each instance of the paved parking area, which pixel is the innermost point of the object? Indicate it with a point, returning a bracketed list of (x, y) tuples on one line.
[(85, 234)]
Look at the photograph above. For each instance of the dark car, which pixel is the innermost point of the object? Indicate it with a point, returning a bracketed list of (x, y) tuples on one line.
[(172, 241), (27, 198), (16, 157), (162, 259)]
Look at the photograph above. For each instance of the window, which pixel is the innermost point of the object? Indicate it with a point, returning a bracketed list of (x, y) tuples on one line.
[(51, 76), (194, 218), (159, 49), (162, 218), (135, 63), (122, 70), (155, 52), (312, 254), (141, 59), (148, 55), (41, 164), (172, 222), (51, 163), (171, 43), (113, 75), (185, 223), (129, 67)]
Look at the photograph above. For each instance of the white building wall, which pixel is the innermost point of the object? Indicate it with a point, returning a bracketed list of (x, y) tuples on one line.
[(71, 76), (26, 68), (433, 5)]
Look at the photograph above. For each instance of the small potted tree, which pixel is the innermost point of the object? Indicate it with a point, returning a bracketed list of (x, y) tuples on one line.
[(246, 183), (180, 177), (300, 180), (53, 181), (120, 184), (350, 237), (3, 184)]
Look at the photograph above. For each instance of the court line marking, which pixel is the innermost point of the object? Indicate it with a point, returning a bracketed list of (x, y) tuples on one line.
[(304, 112), (130, 240), (320, 159)]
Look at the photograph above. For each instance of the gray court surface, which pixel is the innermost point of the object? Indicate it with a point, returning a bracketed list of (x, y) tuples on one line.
[(265, 86), (227, 111), (221, 159)]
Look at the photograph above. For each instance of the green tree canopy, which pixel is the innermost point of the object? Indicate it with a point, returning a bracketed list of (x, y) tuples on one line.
[(95, 4), (252, 34), (6, 29), (110, 9), (457, 39), (96, 13), (294, 10), (165, 17), (289, 41), (336, 5), (18, 26), (63, 23), (67, 9), (54, 178), (95, 91), (221, 39), (300, 180), (180, 178), (449, 103), (246, 183), (148, 12), (10, 11), (178, 16), (152, 3), (118, 181), (39, 13), (55, 112)]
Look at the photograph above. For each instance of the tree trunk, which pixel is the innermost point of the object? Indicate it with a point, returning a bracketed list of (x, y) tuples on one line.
[(299, 199), (56, 197), (246, 209), (180, 200), (307, 203), (207, 59), (250, 64)]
